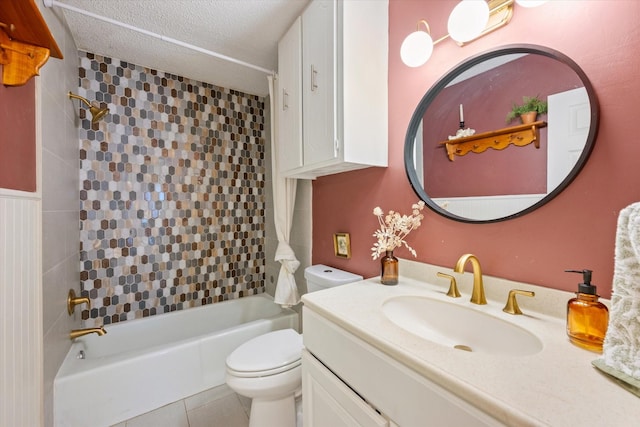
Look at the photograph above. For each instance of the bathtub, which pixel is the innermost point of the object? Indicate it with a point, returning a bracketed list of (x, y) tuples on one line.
[(141, 365)]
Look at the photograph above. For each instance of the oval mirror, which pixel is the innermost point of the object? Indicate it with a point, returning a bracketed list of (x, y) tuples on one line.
[(505, 169)]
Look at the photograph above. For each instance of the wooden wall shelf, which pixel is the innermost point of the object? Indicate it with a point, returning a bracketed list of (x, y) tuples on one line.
[(25, 41), (520, 136)]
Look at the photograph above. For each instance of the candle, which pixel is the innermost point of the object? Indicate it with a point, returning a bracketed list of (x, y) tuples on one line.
[(461, 114)]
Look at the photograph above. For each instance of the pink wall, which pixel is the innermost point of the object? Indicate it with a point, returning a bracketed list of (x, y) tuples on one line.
[(18, 137), (513, 170), (577, 228)]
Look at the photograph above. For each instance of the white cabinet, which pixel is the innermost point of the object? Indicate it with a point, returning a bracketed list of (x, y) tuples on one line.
[(339, 52), (398, 393), (330, 403), (289, 97), (319, 79)]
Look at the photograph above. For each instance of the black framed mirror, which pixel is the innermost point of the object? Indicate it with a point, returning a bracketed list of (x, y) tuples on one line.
[(497, 182)]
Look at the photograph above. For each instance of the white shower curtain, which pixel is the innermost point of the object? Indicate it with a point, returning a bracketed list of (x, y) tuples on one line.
[(284, 198)]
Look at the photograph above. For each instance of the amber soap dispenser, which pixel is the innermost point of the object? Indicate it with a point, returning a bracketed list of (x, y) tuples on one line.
[(587, 318)]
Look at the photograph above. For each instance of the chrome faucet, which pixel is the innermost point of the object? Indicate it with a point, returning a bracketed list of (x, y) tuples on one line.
[(76, 333), (477, 295)]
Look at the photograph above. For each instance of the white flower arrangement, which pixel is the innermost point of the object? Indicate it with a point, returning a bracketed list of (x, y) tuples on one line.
[(394, 228)]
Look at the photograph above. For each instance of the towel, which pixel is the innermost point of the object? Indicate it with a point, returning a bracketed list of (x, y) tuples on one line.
[(286, 289), (621, 348)]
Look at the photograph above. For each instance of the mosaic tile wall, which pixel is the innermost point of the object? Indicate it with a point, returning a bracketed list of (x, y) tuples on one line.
[(172, 192)]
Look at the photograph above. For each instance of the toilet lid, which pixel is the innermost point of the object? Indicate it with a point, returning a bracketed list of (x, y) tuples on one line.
[(273, 352)]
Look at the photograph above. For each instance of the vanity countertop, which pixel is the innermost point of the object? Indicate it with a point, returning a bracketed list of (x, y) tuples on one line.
[(557, 386)]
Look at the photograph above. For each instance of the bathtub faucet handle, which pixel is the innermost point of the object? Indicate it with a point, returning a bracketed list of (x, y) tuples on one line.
[(73, 300)]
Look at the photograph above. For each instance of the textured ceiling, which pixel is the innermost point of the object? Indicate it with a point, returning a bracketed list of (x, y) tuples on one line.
[(247, 30)]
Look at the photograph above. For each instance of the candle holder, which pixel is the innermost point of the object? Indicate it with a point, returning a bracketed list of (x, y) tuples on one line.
[(462, 125)]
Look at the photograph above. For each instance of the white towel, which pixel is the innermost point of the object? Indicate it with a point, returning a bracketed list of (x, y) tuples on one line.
[(286, 288), (621, 348)]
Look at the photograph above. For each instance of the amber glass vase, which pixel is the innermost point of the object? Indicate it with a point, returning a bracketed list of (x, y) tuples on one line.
[(389, 269)]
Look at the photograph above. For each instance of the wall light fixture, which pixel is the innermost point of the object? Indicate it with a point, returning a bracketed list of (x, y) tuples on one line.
[(469, 20)]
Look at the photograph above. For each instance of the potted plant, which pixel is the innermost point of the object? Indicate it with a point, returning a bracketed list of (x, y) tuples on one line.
[(529, 109)]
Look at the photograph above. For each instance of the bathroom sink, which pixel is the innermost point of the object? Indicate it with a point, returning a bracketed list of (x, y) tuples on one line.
[(459, 327)]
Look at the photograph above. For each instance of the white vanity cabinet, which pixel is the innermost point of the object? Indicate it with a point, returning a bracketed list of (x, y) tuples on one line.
[(332, 107), (348, 382), (331, 403)]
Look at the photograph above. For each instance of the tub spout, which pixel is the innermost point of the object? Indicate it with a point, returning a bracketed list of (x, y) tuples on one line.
[(76, 333)]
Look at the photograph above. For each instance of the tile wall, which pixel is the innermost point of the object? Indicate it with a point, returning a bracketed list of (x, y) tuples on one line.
[(172, 204), (57, 125)]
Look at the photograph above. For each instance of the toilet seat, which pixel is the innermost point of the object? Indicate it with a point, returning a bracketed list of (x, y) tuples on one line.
[(268, 354), (265, 373)]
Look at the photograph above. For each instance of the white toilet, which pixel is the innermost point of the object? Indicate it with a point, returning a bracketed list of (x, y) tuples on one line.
[(267, 368)]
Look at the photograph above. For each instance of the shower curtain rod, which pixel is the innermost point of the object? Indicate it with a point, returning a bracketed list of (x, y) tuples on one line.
[(50, 3)]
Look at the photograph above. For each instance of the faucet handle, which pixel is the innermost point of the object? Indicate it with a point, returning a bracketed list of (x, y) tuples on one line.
[(512, 304), (73, 300), (453, 286)]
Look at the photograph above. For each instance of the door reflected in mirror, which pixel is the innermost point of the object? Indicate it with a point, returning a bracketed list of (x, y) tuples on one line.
[(508, 179)]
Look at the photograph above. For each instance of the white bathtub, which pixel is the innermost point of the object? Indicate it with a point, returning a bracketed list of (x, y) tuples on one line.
[(141, 365)]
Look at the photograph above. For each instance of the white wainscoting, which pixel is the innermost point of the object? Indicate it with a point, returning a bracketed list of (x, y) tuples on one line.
[(487, 207), (20, 310)]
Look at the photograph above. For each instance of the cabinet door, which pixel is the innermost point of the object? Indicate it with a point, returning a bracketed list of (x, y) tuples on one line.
[(289, 98), (328, 402), (319, 81)]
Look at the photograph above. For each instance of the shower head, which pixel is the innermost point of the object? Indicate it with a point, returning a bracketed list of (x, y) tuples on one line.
[(97, 113)]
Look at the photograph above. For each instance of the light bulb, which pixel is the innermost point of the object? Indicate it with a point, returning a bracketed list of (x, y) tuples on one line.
[(530, 3), (416, 49), (468, 19)]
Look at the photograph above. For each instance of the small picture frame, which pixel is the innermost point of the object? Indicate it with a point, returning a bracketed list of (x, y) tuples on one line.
[(342, 245)]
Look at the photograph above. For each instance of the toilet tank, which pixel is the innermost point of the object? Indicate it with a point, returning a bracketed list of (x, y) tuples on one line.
[(322, 277)]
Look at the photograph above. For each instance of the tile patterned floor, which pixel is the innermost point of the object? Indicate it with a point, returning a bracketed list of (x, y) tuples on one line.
[(218, 407)]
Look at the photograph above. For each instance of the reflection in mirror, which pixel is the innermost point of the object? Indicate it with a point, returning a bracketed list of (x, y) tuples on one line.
[(508, 179)]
